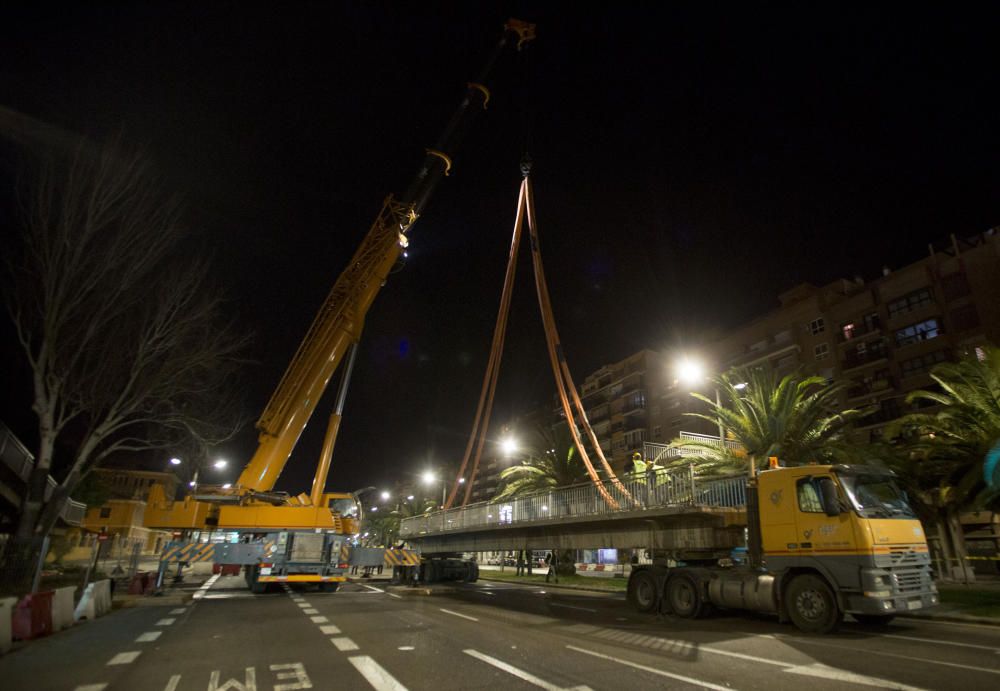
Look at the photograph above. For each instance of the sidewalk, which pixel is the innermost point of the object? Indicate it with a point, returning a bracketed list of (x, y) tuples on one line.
[(977, 602)]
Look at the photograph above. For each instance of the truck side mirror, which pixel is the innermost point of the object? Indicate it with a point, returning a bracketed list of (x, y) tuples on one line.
[(828, 493)]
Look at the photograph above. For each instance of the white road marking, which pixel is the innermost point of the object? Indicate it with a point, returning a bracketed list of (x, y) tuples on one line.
[(302, 604), (310, 610), (148, 637), (124, 658), (456, 614), (319, 620), (869, 651), (375, 674), (371, 587), (329, 629), (250, 681), (937, 641), (922, 620), (91, 687), (822, 671), (485, 592), (634, 665), (585, 609), (405, 647), (166, 622), (172, 684), (179, 610), (398, 597), (520, 673), (344, 643)]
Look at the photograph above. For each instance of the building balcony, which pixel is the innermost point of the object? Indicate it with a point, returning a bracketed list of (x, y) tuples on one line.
[(872, 388), (859, 331), (872, 357)]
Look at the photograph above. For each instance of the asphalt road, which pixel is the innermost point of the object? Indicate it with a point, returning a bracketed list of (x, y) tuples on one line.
[(485, 635)]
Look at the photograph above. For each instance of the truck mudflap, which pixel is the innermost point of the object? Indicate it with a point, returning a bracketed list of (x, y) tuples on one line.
[(302, 578)]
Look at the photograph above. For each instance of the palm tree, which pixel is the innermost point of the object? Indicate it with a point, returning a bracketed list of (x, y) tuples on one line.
[(792, 418), (551, 462), (944, 454)]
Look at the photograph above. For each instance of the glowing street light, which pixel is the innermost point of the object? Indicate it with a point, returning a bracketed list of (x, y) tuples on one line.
[(220, 464), (385, 496), (690, 371), (175, 461), (508, 446)]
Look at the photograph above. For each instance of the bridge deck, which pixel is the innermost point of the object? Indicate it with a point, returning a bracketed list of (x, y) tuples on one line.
[(662, 510)]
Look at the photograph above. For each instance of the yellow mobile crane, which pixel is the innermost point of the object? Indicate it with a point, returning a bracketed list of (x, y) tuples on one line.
[(305, 538)]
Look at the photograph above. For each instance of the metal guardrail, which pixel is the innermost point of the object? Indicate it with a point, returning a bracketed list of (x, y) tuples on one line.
[(15, 456), (657, 489)]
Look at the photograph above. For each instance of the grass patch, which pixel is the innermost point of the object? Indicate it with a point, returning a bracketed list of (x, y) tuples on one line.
[(979, 602), (611, 585)]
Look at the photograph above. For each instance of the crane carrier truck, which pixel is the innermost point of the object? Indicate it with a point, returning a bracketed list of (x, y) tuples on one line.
[(276, 536), (807, 543)]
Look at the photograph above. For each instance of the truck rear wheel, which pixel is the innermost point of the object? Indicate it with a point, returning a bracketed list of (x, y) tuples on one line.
[(811, 604), (684, 597), (642, 591)]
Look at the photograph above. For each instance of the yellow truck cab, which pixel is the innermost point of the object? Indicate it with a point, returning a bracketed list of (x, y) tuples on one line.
[(853, 527)]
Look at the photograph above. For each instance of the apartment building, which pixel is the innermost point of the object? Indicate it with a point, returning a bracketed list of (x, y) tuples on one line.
[(881, 336)]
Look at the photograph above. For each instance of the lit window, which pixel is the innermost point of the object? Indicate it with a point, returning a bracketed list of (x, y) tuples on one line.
[(924, 331), (848, 330)]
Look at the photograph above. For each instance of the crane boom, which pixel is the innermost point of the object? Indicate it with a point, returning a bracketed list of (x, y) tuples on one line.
[(339, 321)]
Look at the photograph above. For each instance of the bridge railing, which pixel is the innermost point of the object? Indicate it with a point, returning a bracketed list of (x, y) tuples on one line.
[(657, 489)]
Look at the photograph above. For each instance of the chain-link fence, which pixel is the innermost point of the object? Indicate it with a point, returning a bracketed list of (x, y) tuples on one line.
[(21, 563)]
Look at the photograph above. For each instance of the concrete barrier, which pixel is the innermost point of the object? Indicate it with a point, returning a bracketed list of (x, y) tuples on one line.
[(96, 601), (6, 613), (62, 608)]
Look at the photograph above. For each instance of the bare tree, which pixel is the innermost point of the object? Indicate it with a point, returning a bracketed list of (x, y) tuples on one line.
[(125, 338)]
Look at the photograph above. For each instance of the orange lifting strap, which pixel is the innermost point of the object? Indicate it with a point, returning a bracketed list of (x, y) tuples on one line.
[(560, 369)]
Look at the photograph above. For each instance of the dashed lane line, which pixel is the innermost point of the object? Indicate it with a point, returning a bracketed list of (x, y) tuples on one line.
[(124, 658), (343, 644), (375, 674), (310, 610), (179, 610), (319, 619), (148, 637), (398, 597), (457, 614), (91, 687), (520, 673), (371, 587), (329, 629), (166, 622), (652, 670)]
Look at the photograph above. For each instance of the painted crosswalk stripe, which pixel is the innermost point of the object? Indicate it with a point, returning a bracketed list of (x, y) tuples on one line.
[(344, 644), (165, 622), (319, 619), (520, 673), (179, 610), (91, 687), (653, 670), (310, 610), (148, 637), (373, 672), (124, 658), (329, 629)]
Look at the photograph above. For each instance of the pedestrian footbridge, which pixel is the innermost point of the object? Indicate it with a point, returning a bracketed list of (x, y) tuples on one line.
[(672, 510)]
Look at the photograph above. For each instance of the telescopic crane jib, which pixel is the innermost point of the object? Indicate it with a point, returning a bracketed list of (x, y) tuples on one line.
[(251, 502)]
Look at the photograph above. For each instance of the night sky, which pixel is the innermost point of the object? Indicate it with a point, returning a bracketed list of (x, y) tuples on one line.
[(690, 164)]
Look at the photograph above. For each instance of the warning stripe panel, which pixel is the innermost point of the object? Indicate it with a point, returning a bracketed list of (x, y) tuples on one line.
[(401, 557), (191, 552)]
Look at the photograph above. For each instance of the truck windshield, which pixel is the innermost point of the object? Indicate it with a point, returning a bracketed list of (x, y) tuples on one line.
[(876, 496)]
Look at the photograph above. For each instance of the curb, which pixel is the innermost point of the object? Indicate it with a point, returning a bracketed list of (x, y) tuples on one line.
[(955, 618), (605, 591)]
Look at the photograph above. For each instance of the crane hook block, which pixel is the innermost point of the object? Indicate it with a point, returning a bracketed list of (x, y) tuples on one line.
[(525, 30), (482, 89), (444, 157)]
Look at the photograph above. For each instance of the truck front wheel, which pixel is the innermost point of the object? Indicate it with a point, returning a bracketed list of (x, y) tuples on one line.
[(642, 591), (812, 606), (684, 597)]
